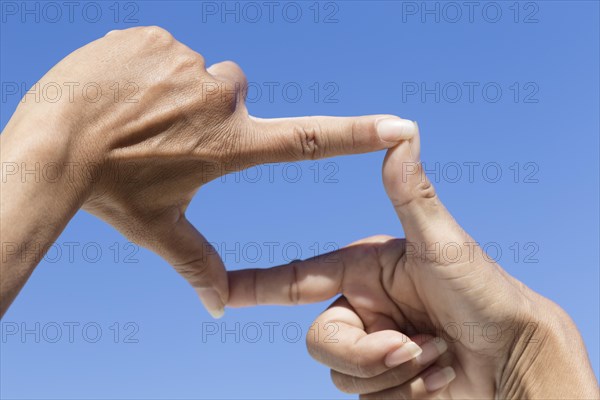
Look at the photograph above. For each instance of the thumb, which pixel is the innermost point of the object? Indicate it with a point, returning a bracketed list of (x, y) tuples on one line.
[(428, 226), (456, 268), (194, 258)]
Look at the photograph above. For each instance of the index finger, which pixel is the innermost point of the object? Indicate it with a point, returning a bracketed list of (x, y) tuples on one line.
[(300, 282), (316, 279), (309, 138)]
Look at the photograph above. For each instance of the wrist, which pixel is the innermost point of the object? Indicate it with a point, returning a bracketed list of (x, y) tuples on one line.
[(548, 358), (41, 153), (38, 198)]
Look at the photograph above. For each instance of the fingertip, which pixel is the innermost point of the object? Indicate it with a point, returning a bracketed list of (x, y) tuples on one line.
[(439, 379), (216, 314), (395, 129), (404, 353), (432, 350), (212, 301)]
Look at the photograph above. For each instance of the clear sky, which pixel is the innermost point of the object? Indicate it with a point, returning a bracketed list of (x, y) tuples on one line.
[(507, 98)]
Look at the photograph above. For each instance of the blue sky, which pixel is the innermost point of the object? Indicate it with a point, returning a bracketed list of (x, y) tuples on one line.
[(506, 95)]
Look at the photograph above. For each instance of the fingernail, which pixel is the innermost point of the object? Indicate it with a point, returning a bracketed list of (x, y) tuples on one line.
[(432, 350), (439, 379), (395, 129), (407, 352), (212, 301)]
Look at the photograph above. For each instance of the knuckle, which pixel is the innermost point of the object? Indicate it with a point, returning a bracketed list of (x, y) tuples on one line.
[(197, 59), (355, 131), (232, 64), (294, 289), (112, 32), (425, 188), (157, 35), (194, 271), (239, 77), (229, 71), (382, 238), (234, 69), (186, 60), (308, 141), (410, 196), (365, 254), (219, 98), (227, 96)]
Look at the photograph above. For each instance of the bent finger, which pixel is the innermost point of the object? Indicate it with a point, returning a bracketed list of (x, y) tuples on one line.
[(341, 343), (431, 384), (432, 348)]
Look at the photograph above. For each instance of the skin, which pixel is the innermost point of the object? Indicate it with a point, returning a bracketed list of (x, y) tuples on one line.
[(134, 156), (188, 126), (459, 325)]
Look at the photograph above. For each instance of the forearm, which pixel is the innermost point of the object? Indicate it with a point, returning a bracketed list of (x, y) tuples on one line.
[(40, 194)]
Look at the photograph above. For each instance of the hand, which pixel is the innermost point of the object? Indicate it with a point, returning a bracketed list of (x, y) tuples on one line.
[(486, 335), (150, 124)]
